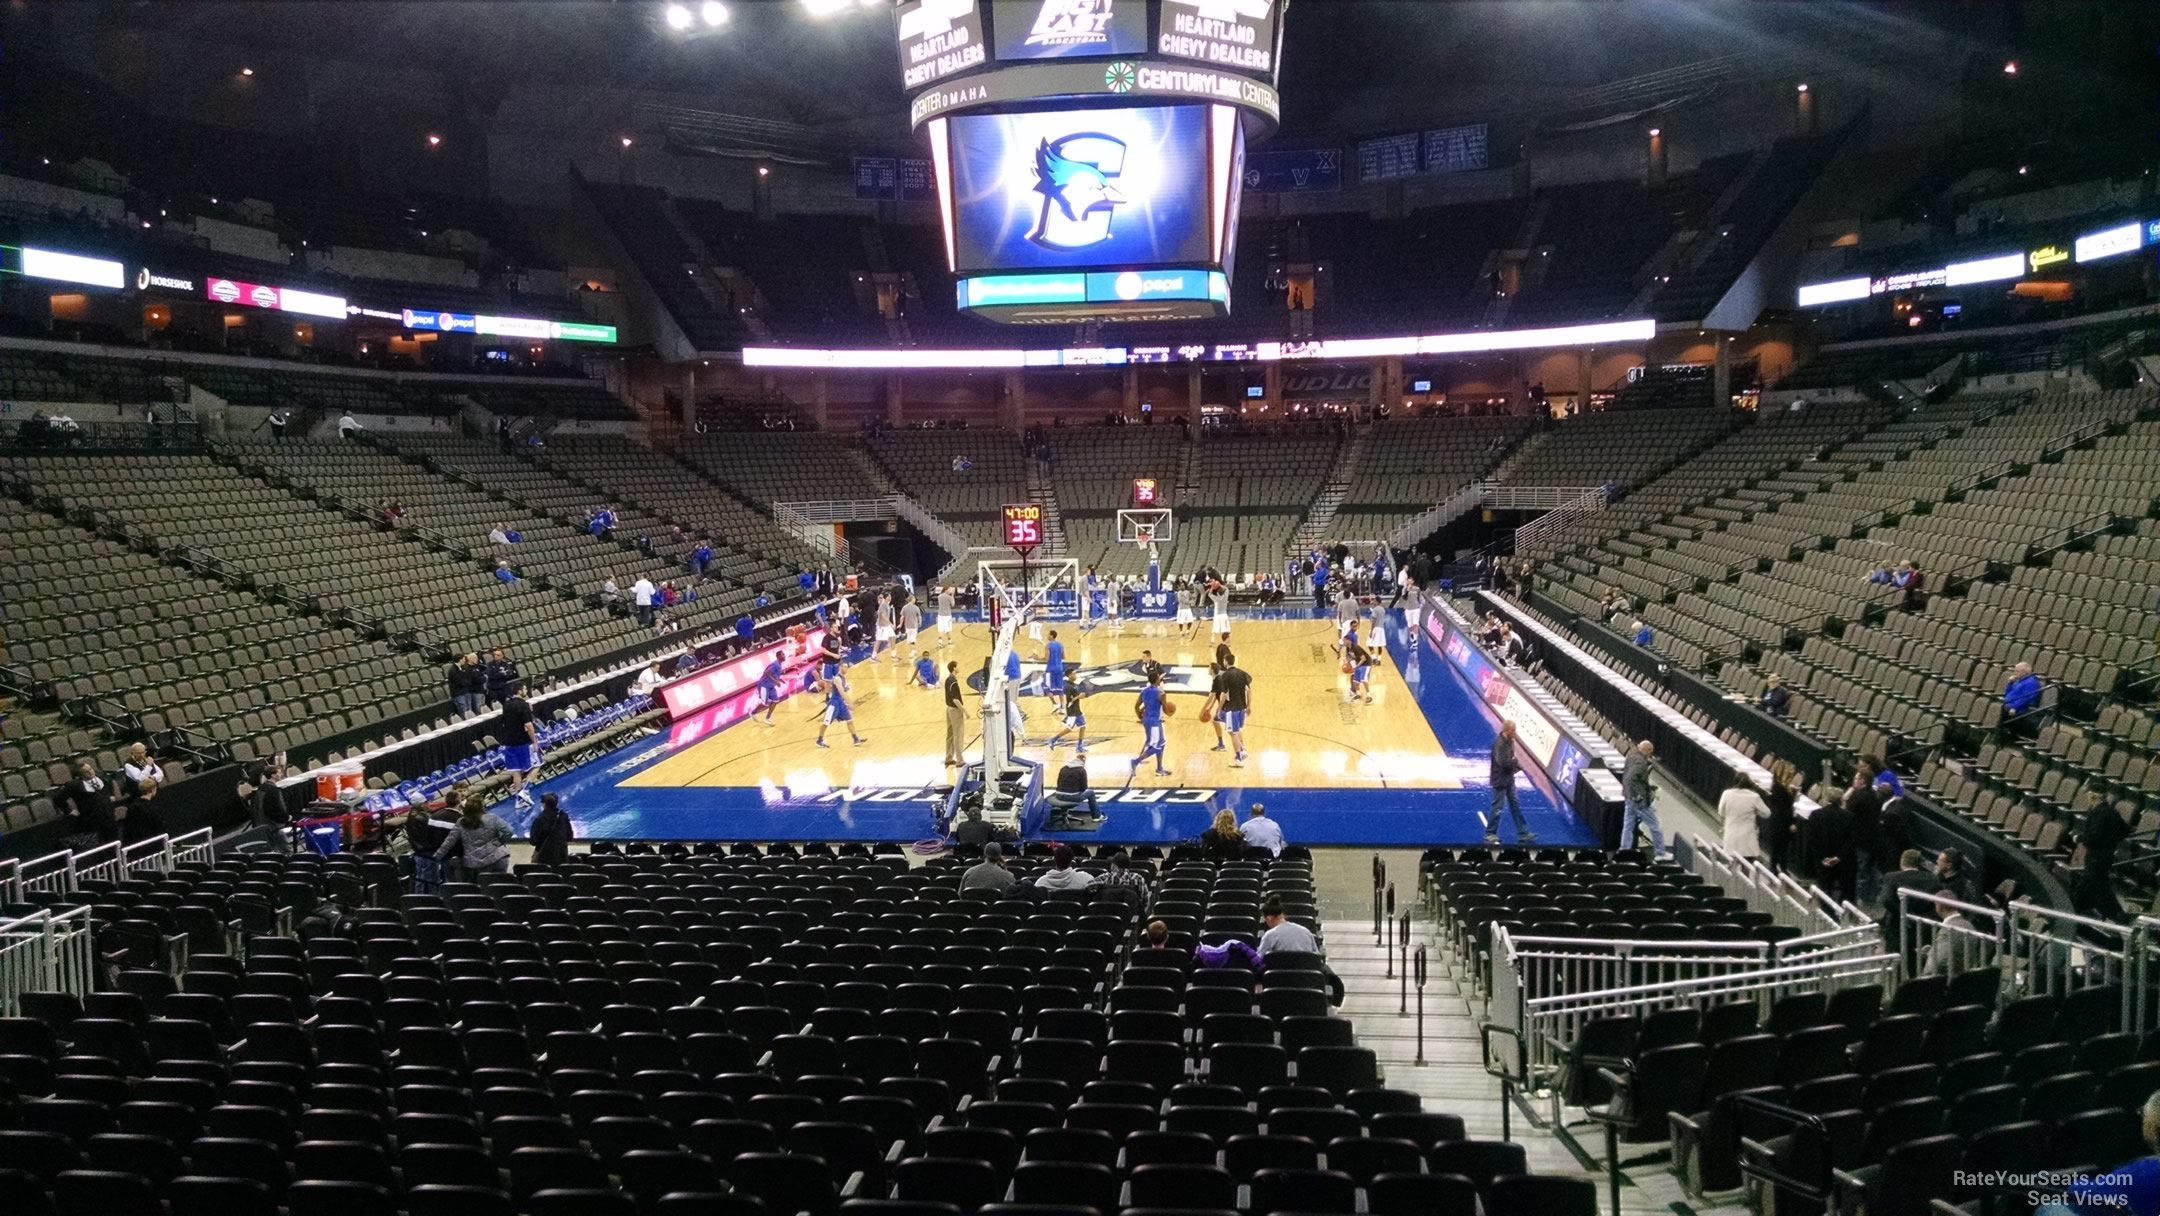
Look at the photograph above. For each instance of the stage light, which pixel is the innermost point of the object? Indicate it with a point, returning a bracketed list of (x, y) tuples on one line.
[(679, 17), (1653, 132), (434, 141), (825, 8), (714, 13), (1803, 86), (626, 141), (247, 71), (2010, 68), (763, 171)]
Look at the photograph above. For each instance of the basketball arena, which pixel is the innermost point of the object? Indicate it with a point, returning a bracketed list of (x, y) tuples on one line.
[(1079, 608)]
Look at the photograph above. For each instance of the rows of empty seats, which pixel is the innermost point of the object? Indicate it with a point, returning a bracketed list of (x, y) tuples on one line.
[(1592, 449), (921, 464), (1410, 464)]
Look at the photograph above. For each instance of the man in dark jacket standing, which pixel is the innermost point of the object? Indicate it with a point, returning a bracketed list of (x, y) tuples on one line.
[(1504, 767), (467, 683), (1829, 836), (1639, 798), (502, 676), (551, 833)]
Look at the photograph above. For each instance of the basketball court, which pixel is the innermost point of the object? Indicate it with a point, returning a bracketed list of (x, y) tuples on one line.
[(1409, 768)]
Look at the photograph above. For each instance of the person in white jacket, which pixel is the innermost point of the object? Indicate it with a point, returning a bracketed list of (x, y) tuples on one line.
[(1740, 810)]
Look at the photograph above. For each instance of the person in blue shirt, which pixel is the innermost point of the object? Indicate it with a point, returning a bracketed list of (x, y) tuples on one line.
[(1149, 708), (1887, 785), (745, 628), (769, 689), (2022, 693), (700, 558), (806, 582), (2129, 1189), (1054, 666), (1643, 636), (504, 574), (926, 672), (764, 600), (1012, 690), (836, 710)]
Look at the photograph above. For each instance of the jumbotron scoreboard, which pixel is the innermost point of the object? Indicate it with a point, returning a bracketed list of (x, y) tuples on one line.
[(1089, 153)]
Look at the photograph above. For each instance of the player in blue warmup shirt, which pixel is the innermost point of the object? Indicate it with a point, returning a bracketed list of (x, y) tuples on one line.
[(836, 710), (1075, 722), (768, 687), (1150, 708), (1054, 666), (926, 672)]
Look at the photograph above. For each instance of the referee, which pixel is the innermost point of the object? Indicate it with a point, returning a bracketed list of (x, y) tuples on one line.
[(955, 723)]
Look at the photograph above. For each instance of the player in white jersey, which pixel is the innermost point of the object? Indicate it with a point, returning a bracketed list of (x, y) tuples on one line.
[(1219, 603), (883, 637), (1346, 614), (1114, 609), (944, 616), (1188, 618)]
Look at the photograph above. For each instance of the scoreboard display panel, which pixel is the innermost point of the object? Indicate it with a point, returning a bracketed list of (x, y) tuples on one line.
[(1023, 525)]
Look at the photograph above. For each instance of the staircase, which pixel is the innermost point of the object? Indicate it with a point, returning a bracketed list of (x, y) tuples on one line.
[(1322, 514), (1043, 495)]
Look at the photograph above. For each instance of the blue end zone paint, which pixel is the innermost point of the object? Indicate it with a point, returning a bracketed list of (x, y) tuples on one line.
[(603, 810)]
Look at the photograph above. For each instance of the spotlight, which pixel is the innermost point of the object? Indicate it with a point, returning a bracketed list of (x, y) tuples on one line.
[(627, 141), (825, 8), (763, 171), (714, 13), (1653, 132), (247, 71), (434, 140), (679, 17), (1802, 86), (2010, 68)]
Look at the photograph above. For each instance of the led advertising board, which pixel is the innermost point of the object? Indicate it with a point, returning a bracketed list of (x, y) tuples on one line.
[(938, 38), (1068, 29)]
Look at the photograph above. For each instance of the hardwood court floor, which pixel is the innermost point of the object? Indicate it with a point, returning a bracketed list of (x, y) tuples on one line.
[(1301, 733)]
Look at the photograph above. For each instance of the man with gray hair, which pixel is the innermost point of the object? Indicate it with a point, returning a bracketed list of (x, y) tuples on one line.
[(1638, 798)]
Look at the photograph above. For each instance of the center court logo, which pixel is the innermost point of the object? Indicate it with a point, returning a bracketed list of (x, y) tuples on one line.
[(1075, 176)]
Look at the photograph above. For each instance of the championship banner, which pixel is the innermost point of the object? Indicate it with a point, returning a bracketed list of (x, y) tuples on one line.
[(1294, 170)]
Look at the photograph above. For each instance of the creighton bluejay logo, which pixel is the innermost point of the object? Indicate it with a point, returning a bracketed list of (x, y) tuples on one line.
[(1075, 176)]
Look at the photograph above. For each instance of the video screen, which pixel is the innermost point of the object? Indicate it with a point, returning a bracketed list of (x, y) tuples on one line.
[(1062, 29), (1065, 189)]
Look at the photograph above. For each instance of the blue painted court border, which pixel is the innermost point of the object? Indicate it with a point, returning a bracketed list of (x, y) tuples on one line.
[(1364, 816)]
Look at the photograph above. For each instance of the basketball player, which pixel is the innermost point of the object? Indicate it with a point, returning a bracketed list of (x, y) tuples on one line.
[(1149, 708), (769, 689), (1346, 613), (944, 616), (1114, 608), (1233, 700), (926, 671), (1016, 715), (836, 710), (829, 663), (1360, 661), (1219, 597), (911, 623), (1222, 650), (1213, 703), (1375, 629), (1149, 668), (1188, 615), (885, 629), (1075, 722), (1054, 666), (1090, 600)]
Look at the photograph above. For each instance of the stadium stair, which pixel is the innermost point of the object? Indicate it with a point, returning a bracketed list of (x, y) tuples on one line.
[(1315, 524), (1044, 495)]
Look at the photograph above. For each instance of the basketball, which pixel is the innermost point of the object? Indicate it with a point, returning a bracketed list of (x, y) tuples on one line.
[(1348, 667), (1169, 709), (1206, 715)]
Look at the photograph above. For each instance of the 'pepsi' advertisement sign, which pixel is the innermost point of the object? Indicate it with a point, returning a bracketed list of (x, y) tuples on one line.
[(1067, 189)]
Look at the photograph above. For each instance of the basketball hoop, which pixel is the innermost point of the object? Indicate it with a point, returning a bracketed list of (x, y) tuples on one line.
[(1144, 534)]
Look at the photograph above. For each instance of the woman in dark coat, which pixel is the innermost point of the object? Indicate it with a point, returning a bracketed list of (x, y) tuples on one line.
[(551, 833), (1777, 830)]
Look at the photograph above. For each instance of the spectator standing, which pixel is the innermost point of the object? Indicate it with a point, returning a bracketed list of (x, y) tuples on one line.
[(141, 819), (989, 873), (1777, 839), (955, 717), (277, 422), (1638, 798), (642, 595), (551, 832), (1865, 807), (1775, 699), (1742, 812), (2099, 836), (1912, 874), (89, 803), (1958, 880), (481, 840), (502, 675), (468, 684), (521, 743), (1261, 832), (1222, 841), (1505, 765), (1830, 846)]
